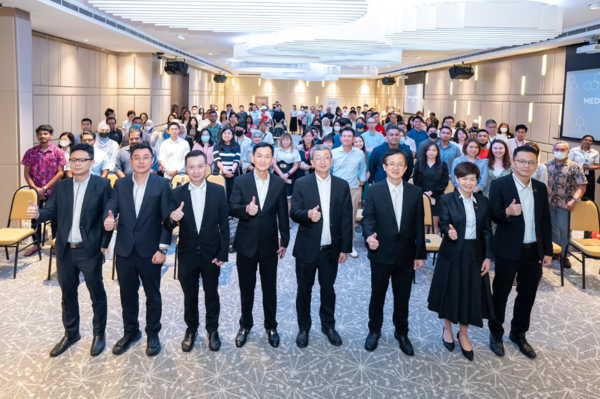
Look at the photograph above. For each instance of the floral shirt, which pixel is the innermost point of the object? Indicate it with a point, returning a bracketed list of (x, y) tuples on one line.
[(215, 132), (43, 165), (563, 181)]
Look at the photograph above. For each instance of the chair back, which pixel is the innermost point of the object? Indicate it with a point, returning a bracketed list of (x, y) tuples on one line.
[(208, 171), (179, 180), (113, 179), (217, 179), (20, 203), (427, 209), (450, 188), (584, 217)]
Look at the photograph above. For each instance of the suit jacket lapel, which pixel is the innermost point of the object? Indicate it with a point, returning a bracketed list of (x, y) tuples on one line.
[(405, 210), (187, 199), (90, 192), (270, 192), (207, 208), (387, 198), (254, 190), (70, 202), (129, 188)]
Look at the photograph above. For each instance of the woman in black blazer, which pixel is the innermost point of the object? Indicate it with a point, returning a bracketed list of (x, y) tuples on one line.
[(460, 290)]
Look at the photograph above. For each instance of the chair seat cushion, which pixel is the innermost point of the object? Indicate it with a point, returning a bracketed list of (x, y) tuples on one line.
[(9, 236), (359, 215), (590, 247), (556, 249), (434, 242)]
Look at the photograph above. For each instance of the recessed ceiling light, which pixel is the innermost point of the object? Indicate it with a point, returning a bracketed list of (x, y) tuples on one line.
[(595, 5), (85, 40), (181, 37), (210, 53), (417, 56)]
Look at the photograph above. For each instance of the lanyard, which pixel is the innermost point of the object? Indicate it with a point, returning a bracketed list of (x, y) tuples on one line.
[(517, 142), (585, 156)]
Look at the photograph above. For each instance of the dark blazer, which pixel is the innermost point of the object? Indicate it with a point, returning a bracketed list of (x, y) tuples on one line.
[(308, 239), (510, 232), (146, 231), (405, 245), (261, 228), (376, 162), (452, 212), (212, 241), (60, 206)]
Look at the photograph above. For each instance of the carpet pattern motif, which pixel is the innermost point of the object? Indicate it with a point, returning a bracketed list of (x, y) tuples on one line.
[(565, 332)]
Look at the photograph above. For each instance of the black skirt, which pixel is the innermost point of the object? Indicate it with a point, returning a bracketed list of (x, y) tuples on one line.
[(458, 292), (285, 168), (294, 124)]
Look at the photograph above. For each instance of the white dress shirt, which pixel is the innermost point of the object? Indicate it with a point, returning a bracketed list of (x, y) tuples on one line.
[(101, 162), (198, 195), (324, 186), (78, 196), (584, 158), (262, 187), (471, 225), (172, 155), (528, 209), (397, 193)]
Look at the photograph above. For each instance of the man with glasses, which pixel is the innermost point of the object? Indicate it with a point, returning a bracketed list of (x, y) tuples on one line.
[(141, 203), (321, 205), (522, 246), (173, 151), (372, 137), (394, 230), (77, 204), (101, 164)]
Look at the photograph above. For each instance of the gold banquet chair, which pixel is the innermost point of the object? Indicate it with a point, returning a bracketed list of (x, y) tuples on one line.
[(584, 217), (449, 188), (113, 179), (432, 241), (557, 251), (11, 237), (179, 180)]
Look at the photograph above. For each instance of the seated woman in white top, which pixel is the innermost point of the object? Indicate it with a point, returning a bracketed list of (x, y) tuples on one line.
[(286, 161), (326, 127), (110, 147)]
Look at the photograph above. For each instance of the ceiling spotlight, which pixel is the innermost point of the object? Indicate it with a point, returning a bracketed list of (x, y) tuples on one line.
[(85, 40), (417, 56), (595, 6), (181, 37), (210, 53)]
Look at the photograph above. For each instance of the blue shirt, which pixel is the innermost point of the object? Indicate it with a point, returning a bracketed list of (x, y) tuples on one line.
[(417, 136), (376, 162), (483, 167), (348, 166), (373, 140), (254, 115), (449, 154), (337, 140)]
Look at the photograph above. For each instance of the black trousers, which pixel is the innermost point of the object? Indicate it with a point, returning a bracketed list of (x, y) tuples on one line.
[(229, 185), (529, 273), (305, 276), (402, 278), (131, 269), (247, 268), (77, 261), (189, 275)]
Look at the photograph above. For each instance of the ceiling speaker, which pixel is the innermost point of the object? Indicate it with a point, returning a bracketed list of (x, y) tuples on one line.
[(461, 72), (220, 78), (176, 67), (388, 81)]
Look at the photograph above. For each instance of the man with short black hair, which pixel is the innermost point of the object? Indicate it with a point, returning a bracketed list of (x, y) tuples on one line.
[(115, 133), (229, 109), (484, 142), (107, 114), (417, 133), (242, 115), (518, 141), (433, 136), (172, 152), (123, 162), (434, 121)]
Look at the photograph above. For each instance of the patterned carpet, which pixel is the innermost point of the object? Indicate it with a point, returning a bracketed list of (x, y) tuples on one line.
[(565, 332)]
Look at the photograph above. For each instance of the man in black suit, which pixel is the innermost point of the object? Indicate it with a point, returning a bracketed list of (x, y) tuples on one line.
[(200, 208), (522, 245), (259, 202), (142, 203), (394, 229), (77, 204), (322, 206)]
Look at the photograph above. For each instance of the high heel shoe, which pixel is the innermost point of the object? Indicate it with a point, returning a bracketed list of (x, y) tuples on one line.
[(448, 345), (467, 354)]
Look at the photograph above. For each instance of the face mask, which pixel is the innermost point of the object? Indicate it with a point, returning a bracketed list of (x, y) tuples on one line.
[(64, 143), (433, 136), (336, 128), (103, 135), (560, 155), (239, 133), (201, 112), (166, 135), (360, 125), (148, 128), (503, 129), (402, 140), (205, 139)]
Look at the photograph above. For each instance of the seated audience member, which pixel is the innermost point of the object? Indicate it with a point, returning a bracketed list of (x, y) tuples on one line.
[(395, 138), (227, 159), (123, 163), (247, 165), (471, 149), (109, 113), (203, 142), (328, 141), (110, 147), (115, 133), (101, 162), (172, 152)]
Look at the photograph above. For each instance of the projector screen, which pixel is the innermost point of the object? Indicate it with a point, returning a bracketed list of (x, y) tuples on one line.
[(581, 109), (413, 98)]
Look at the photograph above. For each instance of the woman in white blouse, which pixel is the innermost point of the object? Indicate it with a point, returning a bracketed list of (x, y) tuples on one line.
[(286, 161), (326, 126), (293, 120)]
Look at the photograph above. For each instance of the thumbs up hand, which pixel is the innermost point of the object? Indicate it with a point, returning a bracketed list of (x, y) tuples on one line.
[(373, 242), (33, 212), (314, 214), (513, 209), (452, 233), (252, 208), (109, 223), (177, 214)]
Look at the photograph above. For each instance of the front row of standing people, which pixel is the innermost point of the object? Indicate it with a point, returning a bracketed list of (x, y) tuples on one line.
[(145, 211)]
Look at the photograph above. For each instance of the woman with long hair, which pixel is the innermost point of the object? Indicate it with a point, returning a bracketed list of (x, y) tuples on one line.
[(66, 141), (185, 117), (286, 161), (431, 174), (459, 137), (203, 142), (304, 149), (227, 158), (499, 164), (223, 118), (361, 126), (471, 149), (192, 127), (294, 119)]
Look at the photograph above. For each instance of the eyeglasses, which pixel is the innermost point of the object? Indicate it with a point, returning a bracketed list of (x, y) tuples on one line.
[(395, 165), (319, 159), (87, 140), (137, 159), (526, 163), (79, 160)]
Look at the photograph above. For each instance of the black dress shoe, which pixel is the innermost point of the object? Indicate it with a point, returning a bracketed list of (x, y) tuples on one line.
[(405, 344), (273, 337), (496, 345), (566, 264), (332, 335), (448, 345), (188, 341), (214, 342), (153, 346), (468, 354), (523, 345), (302, 339), (124, 343), (64, 344), (241, 337), (98, 345), (372, 341)]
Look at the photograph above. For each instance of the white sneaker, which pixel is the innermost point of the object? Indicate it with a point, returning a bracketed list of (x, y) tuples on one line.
[(353, 254)]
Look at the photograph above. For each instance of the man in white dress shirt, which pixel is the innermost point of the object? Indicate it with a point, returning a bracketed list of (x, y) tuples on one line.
[(172, 152)]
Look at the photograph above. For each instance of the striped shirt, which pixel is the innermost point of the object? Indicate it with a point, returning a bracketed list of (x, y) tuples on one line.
[(228, 156)]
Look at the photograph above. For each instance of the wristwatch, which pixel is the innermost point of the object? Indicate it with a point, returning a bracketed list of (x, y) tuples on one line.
[(163, 251), (576, 199), (45, 188)]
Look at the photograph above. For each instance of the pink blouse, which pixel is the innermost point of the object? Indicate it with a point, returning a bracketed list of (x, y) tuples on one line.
[(208, 150)]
